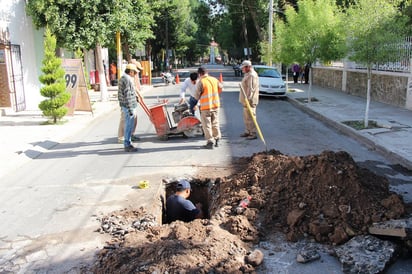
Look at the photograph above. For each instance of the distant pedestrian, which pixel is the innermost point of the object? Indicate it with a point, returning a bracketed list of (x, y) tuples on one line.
[(250, 86), (189, 84), (302, 74), (207, 93), (178, 207), (113, 72), (307, 71), (296, 71), (128, 103)]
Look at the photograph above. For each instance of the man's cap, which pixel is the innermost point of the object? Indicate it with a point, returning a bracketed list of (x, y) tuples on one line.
[(246, 63), (132, 67), (182, 185), (138, 64)]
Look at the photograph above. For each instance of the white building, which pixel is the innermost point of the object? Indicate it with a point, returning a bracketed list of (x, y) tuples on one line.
[(21, 54)]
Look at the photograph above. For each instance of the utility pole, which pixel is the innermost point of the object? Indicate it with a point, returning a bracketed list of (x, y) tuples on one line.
[(270, 30), (119, 55), (118, 47)]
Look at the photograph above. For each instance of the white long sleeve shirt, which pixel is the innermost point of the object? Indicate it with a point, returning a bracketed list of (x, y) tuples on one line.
[(187, 85)]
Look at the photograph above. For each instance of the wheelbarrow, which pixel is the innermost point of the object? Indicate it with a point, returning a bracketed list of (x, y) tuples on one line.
[(183, 123)]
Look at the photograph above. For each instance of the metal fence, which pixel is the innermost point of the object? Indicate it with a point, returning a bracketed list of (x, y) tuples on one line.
[(400, 62)]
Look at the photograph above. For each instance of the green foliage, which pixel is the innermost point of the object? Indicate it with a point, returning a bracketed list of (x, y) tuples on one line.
[(76, 24), (247, 21), (312, 33), (175, 28), (373, 27), (54, 85), (86, 23), (134, 19)]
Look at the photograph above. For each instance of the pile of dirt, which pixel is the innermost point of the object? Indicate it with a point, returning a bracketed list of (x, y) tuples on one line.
[(327, 197)]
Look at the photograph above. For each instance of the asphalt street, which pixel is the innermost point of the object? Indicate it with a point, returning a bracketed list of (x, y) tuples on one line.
[(50, 203)]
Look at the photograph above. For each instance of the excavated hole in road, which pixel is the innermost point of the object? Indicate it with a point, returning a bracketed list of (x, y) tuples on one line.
[(325, 198), (200, 194)]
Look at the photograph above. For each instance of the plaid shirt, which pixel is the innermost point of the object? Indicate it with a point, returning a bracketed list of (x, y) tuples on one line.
[(127, 93)]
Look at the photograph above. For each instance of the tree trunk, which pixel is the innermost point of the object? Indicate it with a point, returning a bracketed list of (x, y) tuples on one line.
[(310, 83), (104, 95), (245, 32), (255, 21), (368, 97)]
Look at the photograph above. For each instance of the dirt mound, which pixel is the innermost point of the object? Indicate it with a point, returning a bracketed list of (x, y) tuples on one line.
[(327, 197)]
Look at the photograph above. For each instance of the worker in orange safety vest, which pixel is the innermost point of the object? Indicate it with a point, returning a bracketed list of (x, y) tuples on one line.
[(207, 93)]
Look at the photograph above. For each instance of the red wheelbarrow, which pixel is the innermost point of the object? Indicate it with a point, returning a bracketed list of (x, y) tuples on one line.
[(184, 124)]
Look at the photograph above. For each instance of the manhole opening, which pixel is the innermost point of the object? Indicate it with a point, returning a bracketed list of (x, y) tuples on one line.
[(200, 194)]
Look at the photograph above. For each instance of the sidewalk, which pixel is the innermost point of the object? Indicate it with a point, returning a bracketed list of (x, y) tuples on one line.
[(393, 137), (23, 137)]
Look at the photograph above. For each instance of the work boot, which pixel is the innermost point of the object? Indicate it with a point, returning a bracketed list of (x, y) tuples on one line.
[(130, 149), (134, 138), (245, 134), (251, 137), (209, 145)]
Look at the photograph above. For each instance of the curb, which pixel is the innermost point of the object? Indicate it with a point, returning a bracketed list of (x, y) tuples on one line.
[(352, 133)]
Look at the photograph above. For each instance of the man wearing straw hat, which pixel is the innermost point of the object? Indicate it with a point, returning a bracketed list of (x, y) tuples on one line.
[(128, 103)]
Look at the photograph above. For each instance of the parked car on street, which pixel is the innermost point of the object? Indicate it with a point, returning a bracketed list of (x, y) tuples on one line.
[(270, 81)]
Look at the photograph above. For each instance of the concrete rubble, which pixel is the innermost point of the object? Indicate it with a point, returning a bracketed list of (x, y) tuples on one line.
[(401, 228), (307, 254), (118, 226), (365, 254)]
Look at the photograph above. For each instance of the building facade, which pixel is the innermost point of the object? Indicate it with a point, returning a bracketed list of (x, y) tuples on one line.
[(21, 54)]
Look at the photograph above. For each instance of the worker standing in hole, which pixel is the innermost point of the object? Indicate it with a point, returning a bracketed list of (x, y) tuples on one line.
[(178, 207)]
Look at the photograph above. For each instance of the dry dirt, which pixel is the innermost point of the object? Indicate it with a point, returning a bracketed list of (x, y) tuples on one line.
[(325, 197)]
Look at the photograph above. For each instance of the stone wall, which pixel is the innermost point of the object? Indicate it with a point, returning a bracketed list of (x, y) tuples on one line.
[(386, 87), (327, 78)]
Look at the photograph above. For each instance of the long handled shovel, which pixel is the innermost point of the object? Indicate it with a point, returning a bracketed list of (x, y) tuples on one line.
[(253, 117)]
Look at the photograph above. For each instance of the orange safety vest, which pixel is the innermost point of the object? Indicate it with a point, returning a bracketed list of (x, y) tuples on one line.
[(209, 99)]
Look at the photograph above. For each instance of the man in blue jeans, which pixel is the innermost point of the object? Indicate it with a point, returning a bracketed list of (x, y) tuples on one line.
[(189, 84), (128, 103)]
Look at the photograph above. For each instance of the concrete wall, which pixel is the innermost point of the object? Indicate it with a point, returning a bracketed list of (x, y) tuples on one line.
[(22, 32), (387, 87)]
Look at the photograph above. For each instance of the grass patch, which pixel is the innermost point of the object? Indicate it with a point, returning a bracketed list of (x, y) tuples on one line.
[(50, 122), (359, 124)]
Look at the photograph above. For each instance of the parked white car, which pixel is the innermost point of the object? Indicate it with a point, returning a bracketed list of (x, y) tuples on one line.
[(270, 81)]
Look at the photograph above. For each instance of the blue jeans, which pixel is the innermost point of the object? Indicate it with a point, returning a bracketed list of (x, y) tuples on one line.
[(128, 127), (192, 104)]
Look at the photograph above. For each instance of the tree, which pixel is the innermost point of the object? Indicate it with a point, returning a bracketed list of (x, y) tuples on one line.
[(175, 30), (134, 20), (53, 80), (374, 27), (313, 33), (91, 24)]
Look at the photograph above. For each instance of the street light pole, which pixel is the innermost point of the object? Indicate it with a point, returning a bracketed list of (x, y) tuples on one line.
[(119, 55), (118, 48), (270, 30)]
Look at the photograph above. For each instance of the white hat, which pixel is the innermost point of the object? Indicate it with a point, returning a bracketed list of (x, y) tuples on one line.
[(246, 63)]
